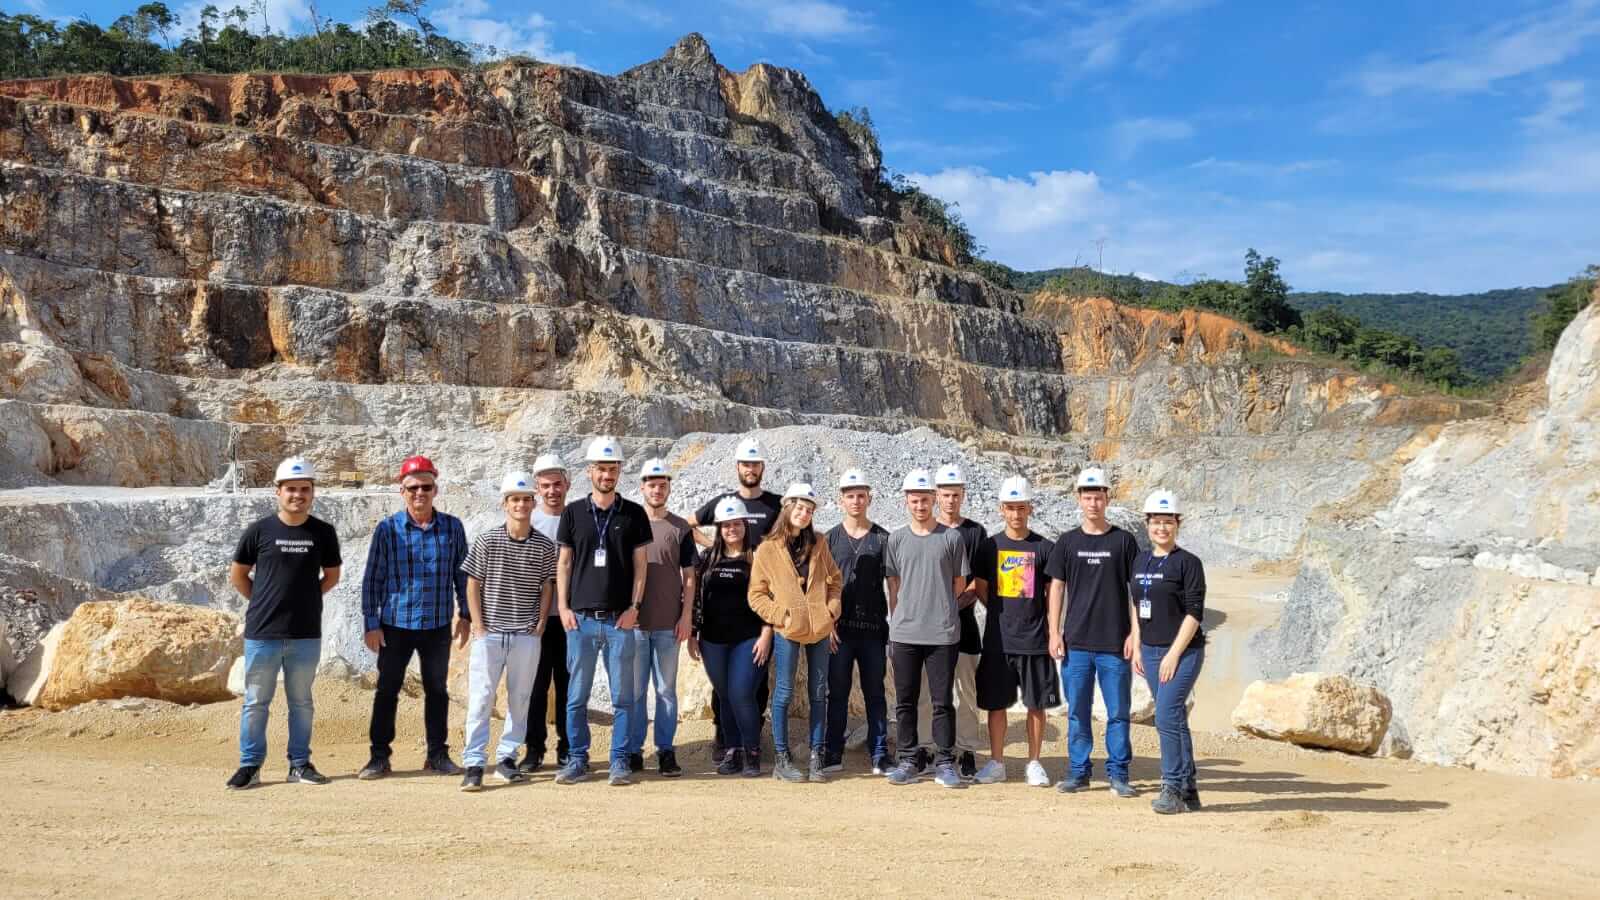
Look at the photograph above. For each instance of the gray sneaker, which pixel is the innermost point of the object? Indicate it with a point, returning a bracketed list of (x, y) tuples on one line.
[(574, 771), (621, 774), (783, 769), (947, 776), (908, 772), (1123, 789), (1070, 785), (1169, 802), (818, 768)]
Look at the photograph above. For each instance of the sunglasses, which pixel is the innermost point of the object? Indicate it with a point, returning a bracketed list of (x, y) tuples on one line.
[(419, 488)]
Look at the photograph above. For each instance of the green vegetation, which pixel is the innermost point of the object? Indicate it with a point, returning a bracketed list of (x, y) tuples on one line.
[(396, 34), (1562, 303)]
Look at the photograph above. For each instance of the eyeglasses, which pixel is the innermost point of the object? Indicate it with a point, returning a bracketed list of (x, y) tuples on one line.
[(418, 488)]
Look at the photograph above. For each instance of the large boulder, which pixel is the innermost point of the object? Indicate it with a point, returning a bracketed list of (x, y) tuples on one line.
[(1316, 710), (141, 648), (26, 682)]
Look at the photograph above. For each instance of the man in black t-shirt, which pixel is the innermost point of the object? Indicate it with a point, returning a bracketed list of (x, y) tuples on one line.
[(1090, 566), (600, 579), (860, 638), (283, 566)]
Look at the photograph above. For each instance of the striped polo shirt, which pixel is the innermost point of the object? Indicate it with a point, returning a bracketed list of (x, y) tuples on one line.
[(513, 574)]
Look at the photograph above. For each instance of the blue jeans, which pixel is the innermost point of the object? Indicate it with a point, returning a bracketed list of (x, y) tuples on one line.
[(263, 660), (1079, 672), (786, 657), (1172, 711), (596, 635), (734, 675), (655, 652), (870, 655)]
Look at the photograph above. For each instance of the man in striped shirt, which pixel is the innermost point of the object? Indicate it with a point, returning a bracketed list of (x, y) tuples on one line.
[(411, 595), (510, 578)]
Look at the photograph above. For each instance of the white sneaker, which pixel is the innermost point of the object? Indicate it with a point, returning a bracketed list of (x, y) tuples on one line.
[(1037, 776), (993, 772)]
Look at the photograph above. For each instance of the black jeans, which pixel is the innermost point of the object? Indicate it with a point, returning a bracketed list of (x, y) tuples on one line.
[(909, 661), (763, 691), (866, 653), (552, 667), (432, 646)]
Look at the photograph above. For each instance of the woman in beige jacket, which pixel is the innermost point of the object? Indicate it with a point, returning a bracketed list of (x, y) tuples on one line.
[(795, 587)]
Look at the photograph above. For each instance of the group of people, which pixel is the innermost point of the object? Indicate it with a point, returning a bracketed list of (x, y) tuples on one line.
[(627, 584)]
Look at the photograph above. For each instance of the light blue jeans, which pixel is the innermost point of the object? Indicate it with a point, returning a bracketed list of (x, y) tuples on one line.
[(655, 654), (263, 660), (596, 635), (785, 659), (1079, 672), (516, 656)]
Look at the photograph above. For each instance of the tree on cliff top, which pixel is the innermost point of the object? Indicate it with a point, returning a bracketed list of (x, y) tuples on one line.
[(1562, 305)]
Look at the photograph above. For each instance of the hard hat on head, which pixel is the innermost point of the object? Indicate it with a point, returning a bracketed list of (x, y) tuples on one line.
[(749, 451), (654, 467), (418, 465), (917, 480), (516, 483), (604, 448), (1016, 490), (950, 476), (1093, 478), (731, 509), (295, 468), (801, 490), (853, 478), (1162, 502), (549, 462)]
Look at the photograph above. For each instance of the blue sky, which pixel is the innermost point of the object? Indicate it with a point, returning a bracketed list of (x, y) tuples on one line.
[(1386, 146)]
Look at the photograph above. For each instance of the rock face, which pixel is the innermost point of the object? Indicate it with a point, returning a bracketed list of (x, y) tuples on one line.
[(1315, 710), (141, 648)]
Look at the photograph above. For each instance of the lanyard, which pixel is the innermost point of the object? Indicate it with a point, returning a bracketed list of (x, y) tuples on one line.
[(1150, 573), (601, 529)]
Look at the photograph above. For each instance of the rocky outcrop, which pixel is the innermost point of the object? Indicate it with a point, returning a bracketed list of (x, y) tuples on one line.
[(1312, 709), (141, 648)]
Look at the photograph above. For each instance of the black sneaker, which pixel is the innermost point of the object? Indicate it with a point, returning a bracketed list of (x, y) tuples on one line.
[(306, 774), (562, 759), (752, 763), (374, 769), (472, 782), (441, 764), (816, 773), (783, 769), (1073, 785), (1169, 802), (969, 767), (507, 771), (667, 764), (635, 763), (530, 764), (246, 777), (732, 763), (832, 762), (1191, 798)]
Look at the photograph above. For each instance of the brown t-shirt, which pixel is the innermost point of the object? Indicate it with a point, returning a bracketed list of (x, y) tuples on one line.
[(671, 551)]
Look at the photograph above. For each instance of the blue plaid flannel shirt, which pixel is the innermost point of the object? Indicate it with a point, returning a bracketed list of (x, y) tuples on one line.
[(413, 574)]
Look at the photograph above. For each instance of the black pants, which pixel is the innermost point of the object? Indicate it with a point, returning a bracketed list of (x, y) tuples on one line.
[(432, 646), (552, 666), (909, 661), (763, 691)]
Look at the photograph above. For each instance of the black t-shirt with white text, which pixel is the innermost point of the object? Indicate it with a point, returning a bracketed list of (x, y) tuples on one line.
[(766, 506), (723, 614), (1173, 586), (1096, 568), (286, 594), (627, 527), (1019, 593)]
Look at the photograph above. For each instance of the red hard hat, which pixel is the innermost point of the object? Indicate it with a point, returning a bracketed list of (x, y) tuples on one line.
[(416, 464)]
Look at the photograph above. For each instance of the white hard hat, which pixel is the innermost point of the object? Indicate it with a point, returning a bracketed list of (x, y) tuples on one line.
[(604, 448), (548, 462), (654, 467), (516, 483), (1016, 490), (917, 480), (853, 478), (1093, 478), (295, 468), (731, 508), (949, 476), (801, 490), (1162, 501), (749, 451)]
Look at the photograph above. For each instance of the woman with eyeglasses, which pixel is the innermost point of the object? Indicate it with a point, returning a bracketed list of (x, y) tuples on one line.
[(730, 639), (1168, 585)]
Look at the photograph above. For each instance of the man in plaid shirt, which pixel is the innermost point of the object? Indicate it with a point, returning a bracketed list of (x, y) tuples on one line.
[(413, 595)]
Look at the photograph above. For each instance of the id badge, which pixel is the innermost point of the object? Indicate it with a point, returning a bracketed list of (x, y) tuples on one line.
[(1144, 608), (600, 558)]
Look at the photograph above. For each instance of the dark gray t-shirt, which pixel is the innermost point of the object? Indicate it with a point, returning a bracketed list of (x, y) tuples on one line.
[(927, 565)]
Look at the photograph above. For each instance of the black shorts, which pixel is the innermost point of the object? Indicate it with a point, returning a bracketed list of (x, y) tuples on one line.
[(1002, 675)]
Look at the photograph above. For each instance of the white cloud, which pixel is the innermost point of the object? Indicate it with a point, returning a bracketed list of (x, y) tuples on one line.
[(1023, 216), (1560, 168), (471, 21), (283, 16), (810, 19), (1128, 135), (987, 105), (1477, 63), (1562, 99)]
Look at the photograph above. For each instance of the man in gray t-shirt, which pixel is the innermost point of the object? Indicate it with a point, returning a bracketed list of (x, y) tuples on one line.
[(927, 570)]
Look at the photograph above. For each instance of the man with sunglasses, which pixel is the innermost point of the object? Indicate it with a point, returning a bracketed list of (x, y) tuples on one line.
[(413, 594)]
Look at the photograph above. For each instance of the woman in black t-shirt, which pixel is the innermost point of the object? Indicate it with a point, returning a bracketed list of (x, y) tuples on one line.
[(1168, 587), (730, 639)]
